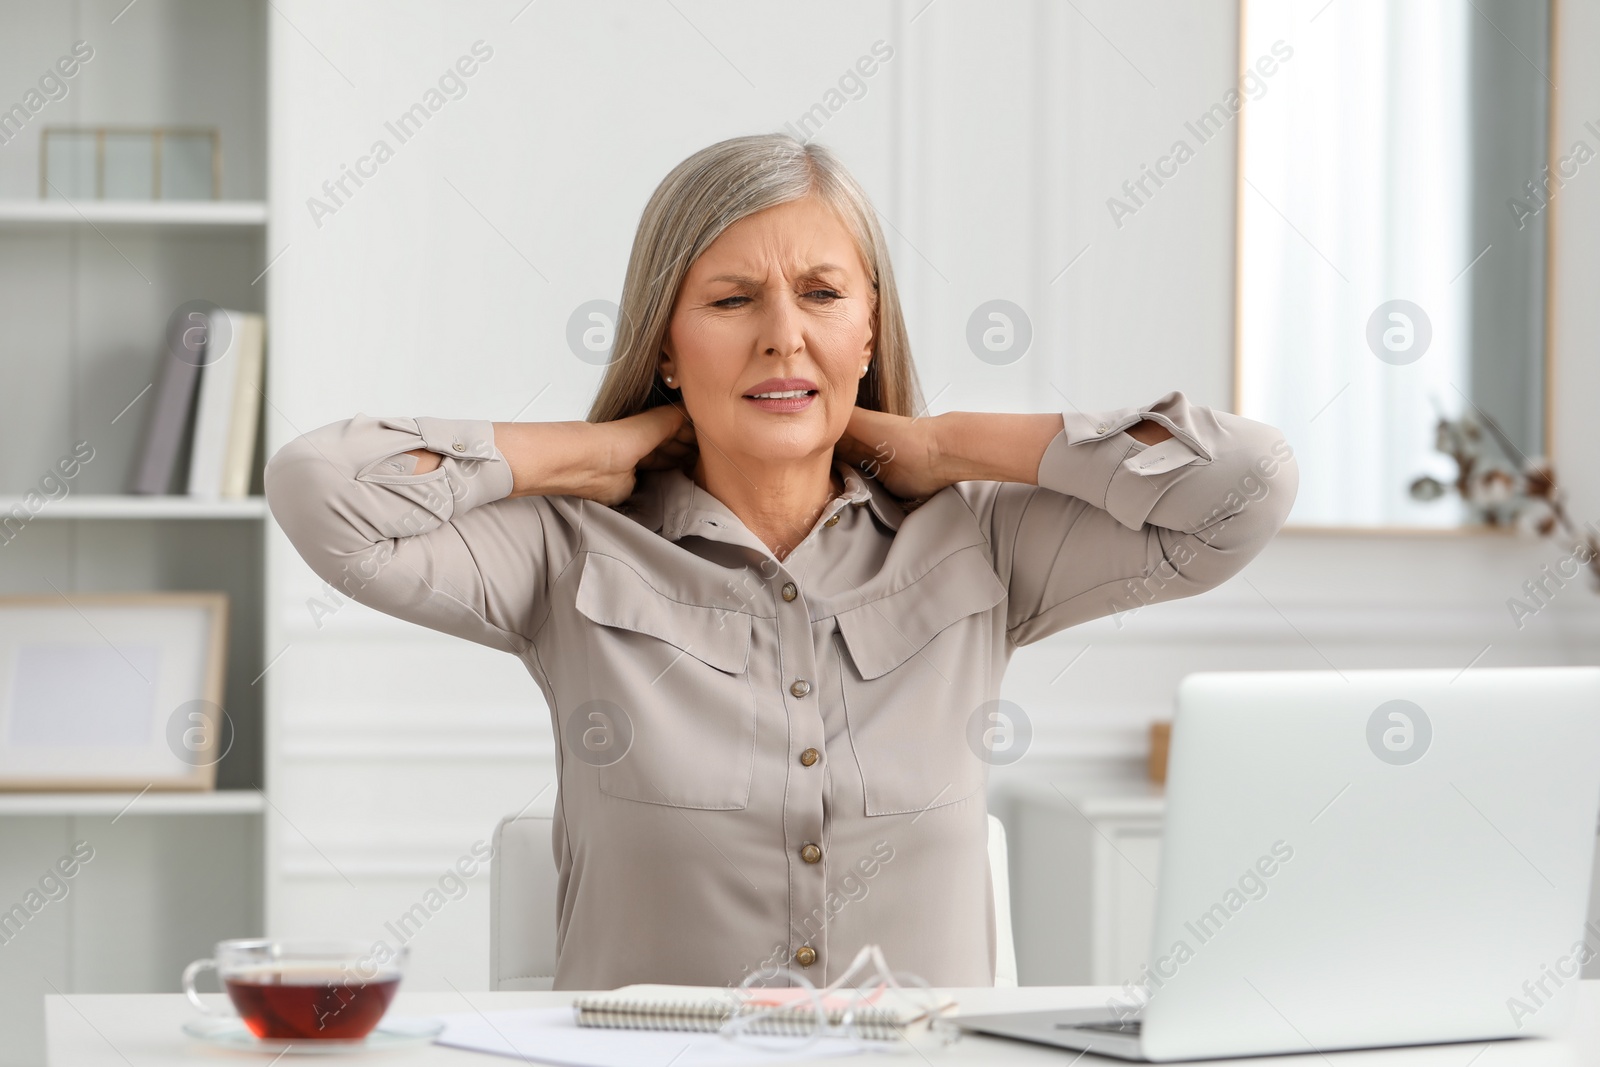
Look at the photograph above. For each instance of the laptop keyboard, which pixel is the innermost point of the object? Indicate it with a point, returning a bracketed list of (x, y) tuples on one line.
[(1125, 1026)]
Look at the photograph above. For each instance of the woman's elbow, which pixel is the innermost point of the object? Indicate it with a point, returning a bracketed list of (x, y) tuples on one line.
[(289, 481), (282, 463), (1269, 484), (309, 498), (1255, 507), (1263, 497)]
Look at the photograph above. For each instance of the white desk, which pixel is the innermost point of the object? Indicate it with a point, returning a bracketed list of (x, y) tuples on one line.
[(139, 1029)]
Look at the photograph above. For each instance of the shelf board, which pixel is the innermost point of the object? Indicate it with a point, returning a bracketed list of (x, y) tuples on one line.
[(135, 212), (129, 506), (219, 802)]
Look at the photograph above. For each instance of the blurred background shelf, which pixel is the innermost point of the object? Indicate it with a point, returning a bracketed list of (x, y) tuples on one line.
[(203, 213), (219, 802), (117, 506), (90, 288)]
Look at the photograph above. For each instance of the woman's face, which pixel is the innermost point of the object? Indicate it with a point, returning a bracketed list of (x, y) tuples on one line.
[(781, 294)]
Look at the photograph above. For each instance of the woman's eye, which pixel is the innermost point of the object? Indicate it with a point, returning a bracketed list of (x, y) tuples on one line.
[(827, 295)]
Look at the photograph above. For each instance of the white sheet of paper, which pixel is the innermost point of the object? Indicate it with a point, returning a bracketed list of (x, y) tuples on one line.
[(552, 1035)]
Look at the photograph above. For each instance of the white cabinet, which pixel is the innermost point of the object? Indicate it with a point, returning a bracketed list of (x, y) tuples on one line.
[(1084, 863)]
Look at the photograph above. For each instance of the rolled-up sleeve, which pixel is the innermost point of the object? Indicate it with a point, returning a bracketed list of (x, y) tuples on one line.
[(1114, 524), (445, 549)]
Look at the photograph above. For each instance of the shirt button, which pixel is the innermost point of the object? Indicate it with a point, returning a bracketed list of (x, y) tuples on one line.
[(833, 521), (808, 757), (789, 591), (811, 853), (800, 687), (805, 956), (1100, 429)]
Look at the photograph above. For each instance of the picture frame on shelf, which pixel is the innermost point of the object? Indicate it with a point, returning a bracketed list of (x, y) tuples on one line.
[(130, 163), (112, 691)]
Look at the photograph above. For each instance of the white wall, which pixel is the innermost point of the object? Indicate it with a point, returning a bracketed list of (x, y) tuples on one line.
[(990, 142)]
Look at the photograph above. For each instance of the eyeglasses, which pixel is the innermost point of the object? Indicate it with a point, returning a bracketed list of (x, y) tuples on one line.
[(885, 1006)]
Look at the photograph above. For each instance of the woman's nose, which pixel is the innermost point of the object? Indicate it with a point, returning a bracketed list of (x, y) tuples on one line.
[(782, 329)]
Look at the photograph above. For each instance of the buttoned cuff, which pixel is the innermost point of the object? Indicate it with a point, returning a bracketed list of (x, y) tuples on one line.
[(470, 465), (1094, 459)]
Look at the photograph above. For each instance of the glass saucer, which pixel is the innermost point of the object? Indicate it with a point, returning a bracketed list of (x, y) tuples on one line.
[(231, 1032)]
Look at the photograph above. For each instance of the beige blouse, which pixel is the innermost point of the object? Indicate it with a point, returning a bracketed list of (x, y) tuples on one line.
[(768, 762)]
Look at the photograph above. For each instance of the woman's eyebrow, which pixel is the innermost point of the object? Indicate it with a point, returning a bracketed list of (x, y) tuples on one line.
[(809, 272)]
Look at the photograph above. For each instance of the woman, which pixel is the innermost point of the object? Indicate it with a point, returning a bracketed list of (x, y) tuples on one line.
[(767, 604)]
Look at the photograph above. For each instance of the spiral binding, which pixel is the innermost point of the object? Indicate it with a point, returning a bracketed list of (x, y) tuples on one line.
[(701, 1015)]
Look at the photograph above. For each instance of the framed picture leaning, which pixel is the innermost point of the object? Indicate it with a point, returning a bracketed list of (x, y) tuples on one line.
[(115, 691)]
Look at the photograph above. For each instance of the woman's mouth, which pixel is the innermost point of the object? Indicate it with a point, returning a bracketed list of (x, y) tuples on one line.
[(782, 400), (786, 400)]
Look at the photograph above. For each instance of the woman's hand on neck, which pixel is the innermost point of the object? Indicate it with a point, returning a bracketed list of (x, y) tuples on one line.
[(778, 501)]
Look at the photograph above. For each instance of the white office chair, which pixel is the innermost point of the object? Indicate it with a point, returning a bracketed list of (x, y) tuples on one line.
[(522, 904)]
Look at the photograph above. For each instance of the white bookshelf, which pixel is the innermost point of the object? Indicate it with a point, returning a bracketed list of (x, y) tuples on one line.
[(201, 213), (129, 506), (120, 805), (91, 286)]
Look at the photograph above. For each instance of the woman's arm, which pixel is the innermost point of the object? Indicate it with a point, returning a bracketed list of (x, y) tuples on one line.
[(1001, 447), (415, 517), (592, 460), (1093, 514), (915, 458)]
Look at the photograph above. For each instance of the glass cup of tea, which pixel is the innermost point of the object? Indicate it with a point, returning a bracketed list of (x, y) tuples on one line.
[(303, 990)]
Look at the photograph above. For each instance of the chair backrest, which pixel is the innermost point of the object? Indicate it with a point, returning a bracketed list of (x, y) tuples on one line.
[(1005, 953), (522, 904)]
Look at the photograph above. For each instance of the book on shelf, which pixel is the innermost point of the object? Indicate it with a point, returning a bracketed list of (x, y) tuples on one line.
[(169, 417), (214, 399), (241, 447)]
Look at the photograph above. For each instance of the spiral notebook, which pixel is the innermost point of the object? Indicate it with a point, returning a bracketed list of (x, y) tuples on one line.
[(783, 1012)]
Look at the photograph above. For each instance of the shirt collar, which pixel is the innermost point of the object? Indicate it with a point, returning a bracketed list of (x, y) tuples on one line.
[(865, 491), (670, 503)]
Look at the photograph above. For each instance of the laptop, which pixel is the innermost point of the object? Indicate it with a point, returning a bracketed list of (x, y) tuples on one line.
[(1360, 859)]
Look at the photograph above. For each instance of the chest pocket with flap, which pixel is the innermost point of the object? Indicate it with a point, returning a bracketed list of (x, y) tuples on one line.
[(678, 672), (918, 671)]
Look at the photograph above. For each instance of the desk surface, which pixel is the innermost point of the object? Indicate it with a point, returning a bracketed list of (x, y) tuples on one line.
[(139, 1029)]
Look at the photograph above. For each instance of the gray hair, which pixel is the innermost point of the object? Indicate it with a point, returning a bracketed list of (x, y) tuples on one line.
[(700, 198)]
